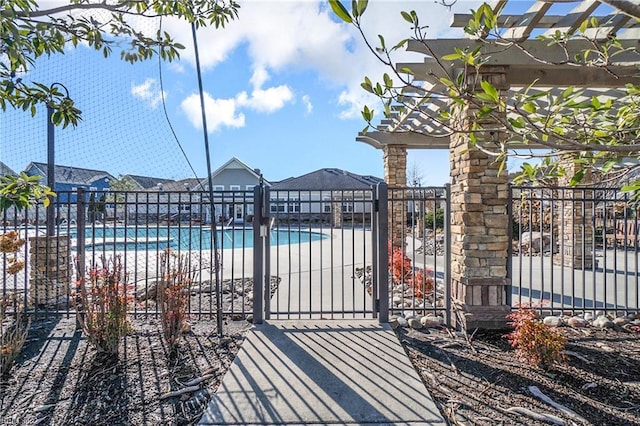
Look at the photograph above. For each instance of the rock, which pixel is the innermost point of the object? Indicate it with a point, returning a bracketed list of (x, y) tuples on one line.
[(249, 318), (431, 321), (414, 323), (148, 292), (602, 322), (620, 321), (577, 322), (535, 242), (552, 321), (397, 300), (588, 316), (402, 322)]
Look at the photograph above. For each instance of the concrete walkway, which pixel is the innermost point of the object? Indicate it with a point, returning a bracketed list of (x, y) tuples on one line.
[(322, 372)]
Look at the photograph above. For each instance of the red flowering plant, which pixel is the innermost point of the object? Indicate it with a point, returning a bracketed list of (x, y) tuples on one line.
[(102, 306), (173, 295), (402, 272), (535, 342), (399, 265), (422, 282)]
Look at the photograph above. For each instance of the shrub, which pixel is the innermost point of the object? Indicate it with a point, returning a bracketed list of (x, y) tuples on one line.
[(102, 307), (13, 334), (434, 218), (173, 295), (535, 342), (422, 283), (399, 265)]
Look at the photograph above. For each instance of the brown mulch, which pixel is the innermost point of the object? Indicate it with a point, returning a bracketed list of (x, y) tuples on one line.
[(480, 383), (59, 380)]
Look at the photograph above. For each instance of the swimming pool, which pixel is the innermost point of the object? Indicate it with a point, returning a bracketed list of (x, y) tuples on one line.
[(187, 238)]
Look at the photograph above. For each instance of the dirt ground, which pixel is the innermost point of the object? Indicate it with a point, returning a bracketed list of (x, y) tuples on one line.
[(58, 379), (483, 383)]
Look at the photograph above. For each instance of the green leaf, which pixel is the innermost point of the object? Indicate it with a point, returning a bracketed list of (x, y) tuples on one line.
[(529, 107), (362, 6), (407, 17), (340, 11), (577, 177), (490, 90), (452, 56)]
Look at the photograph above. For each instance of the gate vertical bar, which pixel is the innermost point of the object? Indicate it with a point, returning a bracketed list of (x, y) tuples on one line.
[(447, 254), (258, 204), (266, 255), (382, 237)]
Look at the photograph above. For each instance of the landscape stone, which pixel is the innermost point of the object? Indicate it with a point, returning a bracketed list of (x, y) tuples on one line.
[(552, 321)]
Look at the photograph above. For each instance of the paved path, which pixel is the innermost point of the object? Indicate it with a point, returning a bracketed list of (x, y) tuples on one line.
[(322, 372)]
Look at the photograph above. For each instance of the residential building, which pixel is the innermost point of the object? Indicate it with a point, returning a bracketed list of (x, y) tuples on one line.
[(323, 195), (69, 179)]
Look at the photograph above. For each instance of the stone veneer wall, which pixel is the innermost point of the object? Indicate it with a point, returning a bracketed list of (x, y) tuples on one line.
[(479, 227), (576, 222), (50, 270), (395, 175)]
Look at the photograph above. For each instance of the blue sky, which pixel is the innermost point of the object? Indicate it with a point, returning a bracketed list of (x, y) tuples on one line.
[(282, 90)]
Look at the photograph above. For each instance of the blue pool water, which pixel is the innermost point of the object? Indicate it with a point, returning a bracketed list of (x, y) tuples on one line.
[(192, 238)]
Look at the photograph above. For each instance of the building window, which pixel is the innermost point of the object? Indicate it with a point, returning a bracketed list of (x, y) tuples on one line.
[(234, 187), (326, 205), (347, 208), (249, 187), (293, 206), (278, 205), (218, 187)]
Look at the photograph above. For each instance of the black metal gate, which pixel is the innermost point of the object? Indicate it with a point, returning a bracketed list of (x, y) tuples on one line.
[(316, 253)]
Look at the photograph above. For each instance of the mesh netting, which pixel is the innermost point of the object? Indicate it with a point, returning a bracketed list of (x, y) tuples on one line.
[(120, 133)]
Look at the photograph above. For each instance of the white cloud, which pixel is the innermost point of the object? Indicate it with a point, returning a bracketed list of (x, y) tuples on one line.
[(149, 91), (294, 36), (220, 112), (308, 106), (266, 100)]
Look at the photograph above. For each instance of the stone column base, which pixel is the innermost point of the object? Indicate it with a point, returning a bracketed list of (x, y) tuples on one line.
[(574, 262), (482, 317), (481, 303)]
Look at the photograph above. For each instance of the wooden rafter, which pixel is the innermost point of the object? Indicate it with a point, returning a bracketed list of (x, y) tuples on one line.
[(417, 123)]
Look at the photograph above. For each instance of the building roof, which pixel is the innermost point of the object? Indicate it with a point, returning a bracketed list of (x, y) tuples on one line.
[(147, 182), (327, 179), (71, 175), (188, 184), (6, 170)]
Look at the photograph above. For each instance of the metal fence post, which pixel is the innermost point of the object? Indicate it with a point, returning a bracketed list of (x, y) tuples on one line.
[(447, 254), (81, 239), (510, 235), (382, 237), (266, 255), (258, 291), (374, 249)]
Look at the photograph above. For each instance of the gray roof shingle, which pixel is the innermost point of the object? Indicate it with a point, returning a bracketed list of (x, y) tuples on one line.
[(327, 179)]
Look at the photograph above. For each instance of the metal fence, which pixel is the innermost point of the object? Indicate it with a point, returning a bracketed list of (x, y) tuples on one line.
[(419, 236), (574, 249), (323, 254)]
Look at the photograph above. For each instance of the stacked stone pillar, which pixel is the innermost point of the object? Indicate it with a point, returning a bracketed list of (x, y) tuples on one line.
[(336, 212), (50, 270), (395, 175), (575, 229), (479, 223)]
